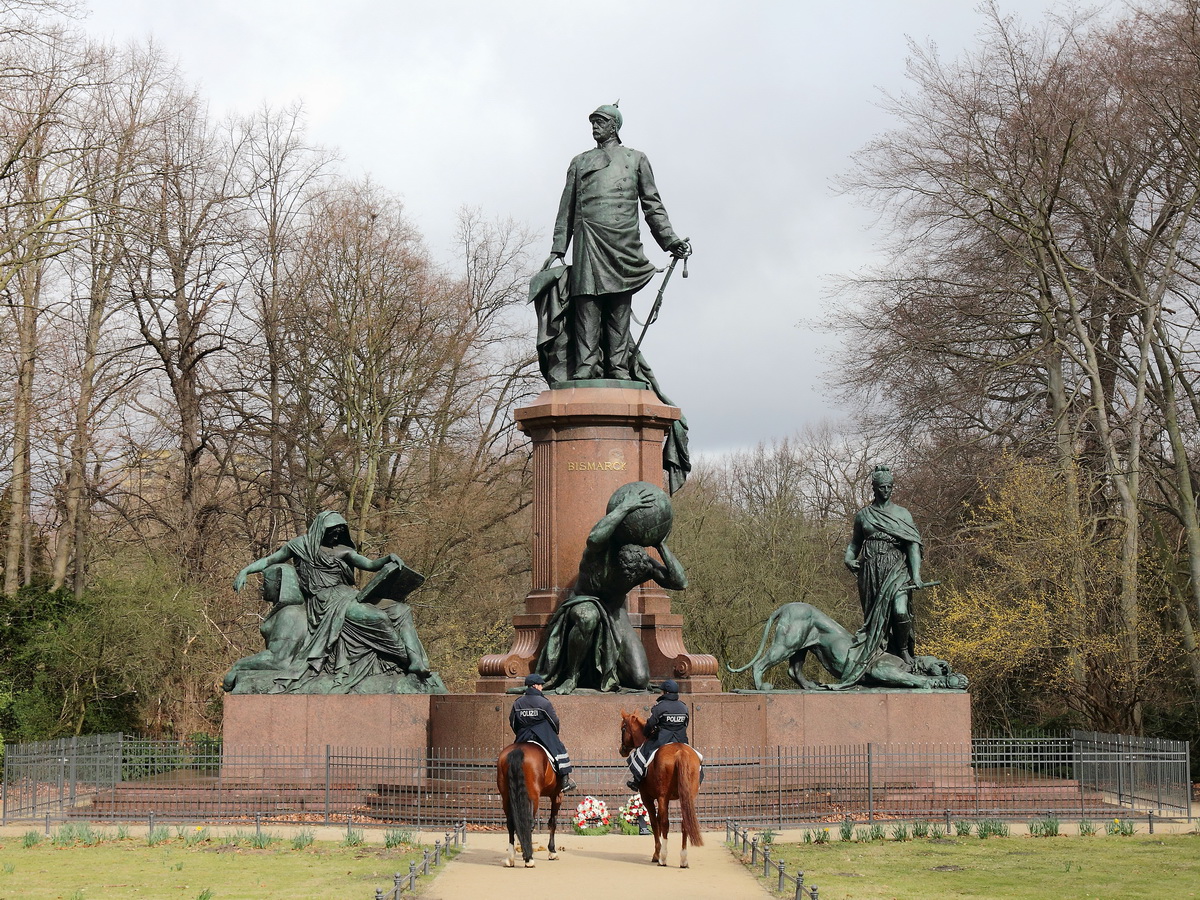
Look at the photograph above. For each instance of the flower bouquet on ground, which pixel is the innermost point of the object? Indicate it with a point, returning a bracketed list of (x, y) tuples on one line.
[(633, 818), (591, 817)]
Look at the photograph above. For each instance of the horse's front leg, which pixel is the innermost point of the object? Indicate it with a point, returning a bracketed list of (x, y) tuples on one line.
[(555, 803), (664, 822), (652, 814)]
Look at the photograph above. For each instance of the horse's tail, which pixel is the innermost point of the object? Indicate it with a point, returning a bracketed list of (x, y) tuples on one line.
[(762, 645), (688, 767), (519, 804)]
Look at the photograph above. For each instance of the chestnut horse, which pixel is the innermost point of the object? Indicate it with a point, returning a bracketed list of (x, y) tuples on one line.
[(524, 775), (673, 774)]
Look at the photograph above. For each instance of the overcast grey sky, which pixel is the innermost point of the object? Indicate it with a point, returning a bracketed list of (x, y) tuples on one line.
[(747, 110)]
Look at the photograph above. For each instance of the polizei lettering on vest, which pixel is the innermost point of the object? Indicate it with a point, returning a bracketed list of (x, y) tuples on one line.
[(618, 465)]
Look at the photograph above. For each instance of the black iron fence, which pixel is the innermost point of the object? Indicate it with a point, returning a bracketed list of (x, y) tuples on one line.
[(402, 882), (116, 777), (746, 846)]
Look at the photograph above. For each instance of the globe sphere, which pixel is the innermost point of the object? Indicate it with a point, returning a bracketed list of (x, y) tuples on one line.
[(645, 527)]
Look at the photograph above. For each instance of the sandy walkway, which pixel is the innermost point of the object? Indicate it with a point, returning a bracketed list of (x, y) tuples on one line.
[(591, 865)]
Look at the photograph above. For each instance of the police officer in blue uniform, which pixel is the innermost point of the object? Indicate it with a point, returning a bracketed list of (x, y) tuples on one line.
[(667, 724), (534, 721)]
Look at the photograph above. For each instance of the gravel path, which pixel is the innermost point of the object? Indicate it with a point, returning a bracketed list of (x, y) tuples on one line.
[(588, 866)]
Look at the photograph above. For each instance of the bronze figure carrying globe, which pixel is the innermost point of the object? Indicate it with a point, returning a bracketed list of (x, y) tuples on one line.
[(645, 526), (590, 642)]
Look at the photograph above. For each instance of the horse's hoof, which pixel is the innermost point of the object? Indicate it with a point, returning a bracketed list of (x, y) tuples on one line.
[(663, 863), (529, 864), (554, 856), (508, 864)]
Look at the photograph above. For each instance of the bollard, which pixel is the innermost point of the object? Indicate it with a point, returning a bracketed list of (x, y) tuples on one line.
[(397, 885), (48, 823), (727, 831), (378, 893), (425, 864), (447, 844), (1150, 821), (767, 861), (151, 823), (745, 842), (754, 852), (258, 824), (948, 823), (813, 893), (437, 853), (349, 824), (412, 876), (782, 879), (799, 886)]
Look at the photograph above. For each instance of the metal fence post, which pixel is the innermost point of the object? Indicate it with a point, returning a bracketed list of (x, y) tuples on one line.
[(767, 861), (425, 864), (397, 885), (800, 885), (412, 876), (754, 852), (74, 758), (779, 782), (4, 792), (328, 785), (870, 785)]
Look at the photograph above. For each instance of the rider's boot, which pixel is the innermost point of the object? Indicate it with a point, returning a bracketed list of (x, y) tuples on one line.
[(568, 785)]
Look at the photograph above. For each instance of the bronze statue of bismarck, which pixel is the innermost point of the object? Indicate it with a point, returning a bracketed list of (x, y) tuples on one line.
[(598, 220)]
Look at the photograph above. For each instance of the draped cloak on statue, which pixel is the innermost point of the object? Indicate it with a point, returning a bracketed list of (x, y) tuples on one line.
[(356, 646), (883, 571)]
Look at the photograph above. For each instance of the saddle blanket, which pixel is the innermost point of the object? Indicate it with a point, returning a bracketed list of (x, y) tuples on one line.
[(654, 752), (549, 755)]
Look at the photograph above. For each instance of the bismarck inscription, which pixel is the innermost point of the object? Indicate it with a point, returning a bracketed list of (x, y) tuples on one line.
[(612, 465)]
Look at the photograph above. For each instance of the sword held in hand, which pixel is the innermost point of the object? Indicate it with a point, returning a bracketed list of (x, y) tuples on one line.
[(653, 317)]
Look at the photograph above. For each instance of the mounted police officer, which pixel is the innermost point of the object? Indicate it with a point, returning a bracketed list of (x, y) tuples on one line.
[(667, 724), (534, 721)]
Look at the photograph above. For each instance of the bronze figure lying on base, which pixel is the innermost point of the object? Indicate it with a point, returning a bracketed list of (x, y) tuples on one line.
[(800, 628)]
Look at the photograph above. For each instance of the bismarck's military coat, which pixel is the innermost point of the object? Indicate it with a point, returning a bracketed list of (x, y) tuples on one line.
[(598, 217), (667, 724), (533, 720)]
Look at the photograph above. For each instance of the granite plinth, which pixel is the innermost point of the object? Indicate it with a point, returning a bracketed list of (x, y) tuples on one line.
[(254, 721), (591, 722), (754, 723), (587, 442)]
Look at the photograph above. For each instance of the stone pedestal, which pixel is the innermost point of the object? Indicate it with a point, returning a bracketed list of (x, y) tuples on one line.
[(587, 442), (477, 724), (745, 724)]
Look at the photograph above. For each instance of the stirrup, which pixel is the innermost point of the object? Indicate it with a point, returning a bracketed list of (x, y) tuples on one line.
[(633, 785), (569, 786)]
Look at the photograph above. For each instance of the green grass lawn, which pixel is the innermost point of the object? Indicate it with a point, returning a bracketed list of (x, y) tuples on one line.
[(1013, 868), (213, 869)]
